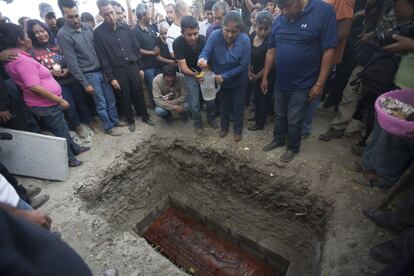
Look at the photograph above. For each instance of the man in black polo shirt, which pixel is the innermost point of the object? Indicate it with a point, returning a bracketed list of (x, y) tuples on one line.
[(187, 47), (147, 40), (118, 50)]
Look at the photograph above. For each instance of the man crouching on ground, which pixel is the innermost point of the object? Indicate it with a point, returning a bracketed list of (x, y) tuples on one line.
[(170, 94)]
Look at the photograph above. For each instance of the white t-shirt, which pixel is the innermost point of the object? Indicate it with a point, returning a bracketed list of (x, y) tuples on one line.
[(203, 25), (8, 194), (173, 32)]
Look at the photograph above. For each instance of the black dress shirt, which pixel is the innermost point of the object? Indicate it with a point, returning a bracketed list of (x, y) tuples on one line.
[(116, 48), (147, 41)]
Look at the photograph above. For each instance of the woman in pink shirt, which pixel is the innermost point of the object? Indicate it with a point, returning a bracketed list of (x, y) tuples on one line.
[(41, 93)]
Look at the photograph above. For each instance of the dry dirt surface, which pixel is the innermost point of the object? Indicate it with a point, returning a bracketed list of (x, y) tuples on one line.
[(307, 211)]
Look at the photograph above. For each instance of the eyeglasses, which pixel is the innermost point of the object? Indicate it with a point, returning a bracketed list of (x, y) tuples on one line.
[(163, 33)]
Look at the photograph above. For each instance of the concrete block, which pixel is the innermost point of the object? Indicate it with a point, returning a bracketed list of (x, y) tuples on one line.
[(35, 155)]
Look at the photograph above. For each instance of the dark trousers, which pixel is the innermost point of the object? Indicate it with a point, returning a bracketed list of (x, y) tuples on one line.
[(79, 110), (21, 119), (290, 109), (131, 92), (52, 117), (232, 100), (263, 102)]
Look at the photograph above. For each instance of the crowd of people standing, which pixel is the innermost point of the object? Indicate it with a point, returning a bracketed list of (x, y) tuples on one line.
[(277, 58)]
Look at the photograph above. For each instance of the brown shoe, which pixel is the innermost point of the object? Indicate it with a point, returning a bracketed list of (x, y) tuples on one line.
[(222, 133), (237, 138), (332, 134), (121, 124), (32, 191), (80, 132), (38, 201), (94, 126)]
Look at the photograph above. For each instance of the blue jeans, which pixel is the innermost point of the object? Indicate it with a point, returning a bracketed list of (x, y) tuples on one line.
[(387, 155), (193, 99), (23, 205), (104, 99), (54, 120), (311, 108), (232, 101), (290, 110), (166, 114), (149, 77)]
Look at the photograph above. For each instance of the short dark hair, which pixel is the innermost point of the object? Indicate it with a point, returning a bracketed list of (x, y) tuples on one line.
[(86, 16), (102, 3), (264, 17), (31, 34), (233, 16), (67, 4), (60, 22), (208, 6), (115, 3), (188, 22), (169, 70), (9, 35)]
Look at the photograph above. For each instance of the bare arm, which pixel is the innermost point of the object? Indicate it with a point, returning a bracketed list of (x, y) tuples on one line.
[(344, 29), (147, 52), (38, 90), (184, 68), (326, 64), (34, 216), (269, 61), (165, 60)]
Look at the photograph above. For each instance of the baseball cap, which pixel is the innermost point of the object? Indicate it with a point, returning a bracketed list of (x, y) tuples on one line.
[(45, 9)]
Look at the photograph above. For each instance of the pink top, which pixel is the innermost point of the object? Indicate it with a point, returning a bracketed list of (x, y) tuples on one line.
[(26, 72)]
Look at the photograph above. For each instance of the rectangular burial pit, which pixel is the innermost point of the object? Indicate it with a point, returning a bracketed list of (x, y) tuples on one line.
[(201, 246), (271, 217)]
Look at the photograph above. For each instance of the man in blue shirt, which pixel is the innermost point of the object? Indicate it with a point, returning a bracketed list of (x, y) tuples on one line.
[(302, 46)]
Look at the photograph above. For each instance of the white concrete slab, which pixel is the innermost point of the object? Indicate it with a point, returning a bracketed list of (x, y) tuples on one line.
[(36, 155)]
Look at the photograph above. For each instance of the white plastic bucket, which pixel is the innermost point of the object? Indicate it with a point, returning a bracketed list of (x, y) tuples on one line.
[(208, 86)]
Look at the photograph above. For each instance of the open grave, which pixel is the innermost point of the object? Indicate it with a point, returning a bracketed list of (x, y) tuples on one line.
[(274, 219)]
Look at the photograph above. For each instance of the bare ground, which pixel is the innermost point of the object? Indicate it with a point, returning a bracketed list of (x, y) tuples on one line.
[(100, 229)]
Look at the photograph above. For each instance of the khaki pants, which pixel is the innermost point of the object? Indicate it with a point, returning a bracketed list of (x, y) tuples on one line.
[(349, 102)]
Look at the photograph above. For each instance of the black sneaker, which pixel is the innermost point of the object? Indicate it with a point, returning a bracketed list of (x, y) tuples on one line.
[(332, 134), (386, 252), (383, 219), (287, 156), (148, 122), (255, 128), (81, 149), (131, 127), (75, 163), (272, 145)]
